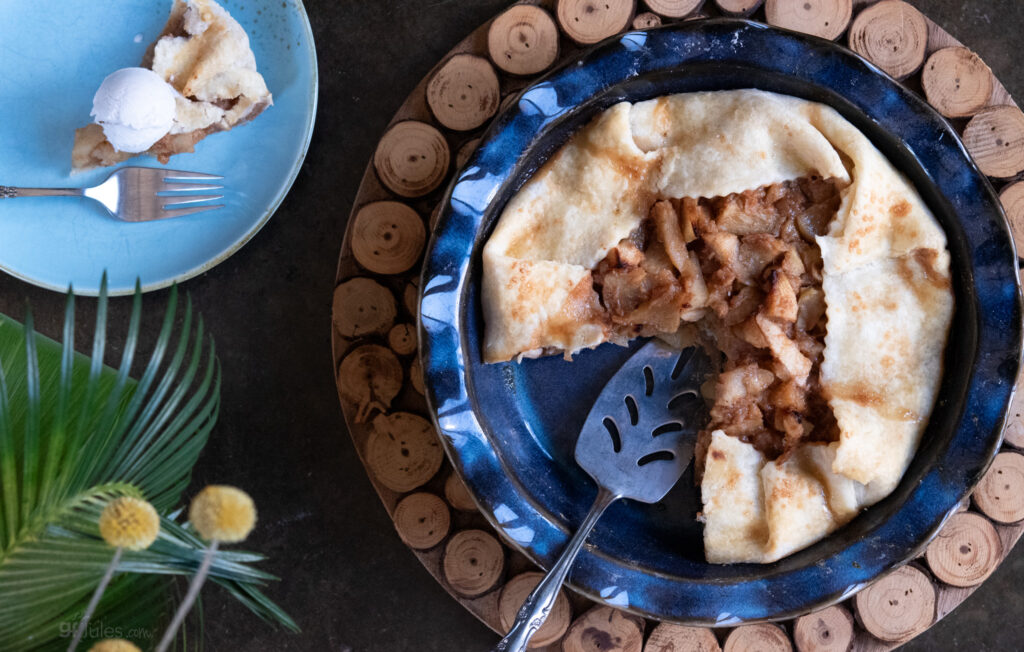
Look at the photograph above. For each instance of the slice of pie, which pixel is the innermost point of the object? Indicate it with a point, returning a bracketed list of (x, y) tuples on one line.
[(770, 229), (204, 54)]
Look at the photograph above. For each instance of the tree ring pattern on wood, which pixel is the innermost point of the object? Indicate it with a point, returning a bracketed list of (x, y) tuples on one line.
[(966, 551), (899, 606), (646, 20), (825, 18), (995, 138), (674, 8), (402, 339), (828, 630), (457, 494), (742, 8), (369, 378), (387, 237), (464, 93), (361, 307), (515, 592), (668, 637), (604, 629), (893, 35), (422, 520), (523, 40), (1000, 495), (957, 82), (590, 21), (403, 451), (412, 158), (758, 638), (473, 562)]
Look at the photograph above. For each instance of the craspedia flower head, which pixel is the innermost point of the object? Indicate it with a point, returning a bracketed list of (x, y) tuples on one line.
[(114, 645), (223, 513), (130, 523)]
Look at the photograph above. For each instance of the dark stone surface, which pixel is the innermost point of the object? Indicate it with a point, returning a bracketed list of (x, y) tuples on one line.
[(346, 577)]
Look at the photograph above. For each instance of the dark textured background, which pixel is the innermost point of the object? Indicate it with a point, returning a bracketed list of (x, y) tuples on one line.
[(347, 579)]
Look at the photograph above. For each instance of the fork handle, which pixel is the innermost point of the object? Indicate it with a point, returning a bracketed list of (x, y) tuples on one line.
[(9, 192), (538, 605)]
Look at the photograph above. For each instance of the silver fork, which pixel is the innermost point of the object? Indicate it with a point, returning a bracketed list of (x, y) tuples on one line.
[(137, 194)]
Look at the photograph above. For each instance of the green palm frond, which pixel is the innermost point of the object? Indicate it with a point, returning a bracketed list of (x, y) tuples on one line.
[(76, 434)]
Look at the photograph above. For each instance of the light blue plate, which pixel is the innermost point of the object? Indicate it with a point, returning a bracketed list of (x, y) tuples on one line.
[(52, 62)]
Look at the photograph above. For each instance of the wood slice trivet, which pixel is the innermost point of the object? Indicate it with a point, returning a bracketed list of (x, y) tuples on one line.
[(515, 592), (667, 637), (893, 35), (824, 18), (523, 40), (603, 629), (380, 382)]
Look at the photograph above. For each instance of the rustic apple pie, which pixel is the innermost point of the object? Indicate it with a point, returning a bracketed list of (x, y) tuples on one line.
[(203, 54), (771, 230)]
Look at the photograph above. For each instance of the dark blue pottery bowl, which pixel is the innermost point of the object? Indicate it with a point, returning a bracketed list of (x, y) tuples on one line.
[(510, 429)]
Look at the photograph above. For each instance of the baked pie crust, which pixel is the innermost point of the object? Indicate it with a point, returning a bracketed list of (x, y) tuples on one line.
[(205, 55), (772, 230)]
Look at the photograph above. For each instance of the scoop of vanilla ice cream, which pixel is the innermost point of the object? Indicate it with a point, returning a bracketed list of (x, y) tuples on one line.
[(135, 107)]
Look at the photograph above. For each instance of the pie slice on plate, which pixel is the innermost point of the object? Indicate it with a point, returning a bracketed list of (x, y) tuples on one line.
[(770, 229), (204, 54)]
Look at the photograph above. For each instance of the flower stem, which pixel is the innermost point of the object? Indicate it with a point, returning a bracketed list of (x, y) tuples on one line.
[(190, 597), (97, 594)]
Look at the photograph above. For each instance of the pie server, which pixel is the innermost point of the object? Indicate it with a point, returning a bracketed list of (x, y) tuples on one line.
[(636, 442)]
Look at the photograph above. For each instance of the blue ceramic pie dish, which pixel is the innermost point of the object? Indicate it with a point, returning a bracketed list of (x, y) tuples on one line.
[(510, 428)]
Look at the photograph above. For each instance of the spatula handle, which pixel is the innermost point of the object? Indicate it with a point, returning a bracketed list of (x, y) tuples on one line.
[(538, 605)]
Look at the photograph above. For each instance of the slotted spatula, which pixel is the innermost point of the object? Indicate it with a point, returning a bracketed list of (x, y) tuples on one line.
[(636, 442)]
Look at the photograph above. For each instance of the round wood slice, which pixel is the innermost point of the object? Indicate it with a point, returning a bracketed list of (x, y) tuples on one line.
[(957, 82), (674, 8), (603, 629), (402, 339), (416, 376), (667, 637), (1000, 494), (462, 156), (893, 35), (828, 630), (1014, 433), (473, 562), (422, 520), (824, 18), (411, 297), (464, 93), (646, 20), (758, 638), (362, 307), (738, 7), (369, 378), (457, 495), (995, 138), (412, 158), (590, 21), (403, 452), (966, 551), (515, 592), (899, 606), (523, 40), (387, 237)]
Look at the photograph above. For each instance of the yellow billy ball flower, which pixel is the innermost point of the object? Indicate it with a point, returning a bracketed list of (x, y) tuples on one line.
[(223, 513), (114, 645), (129, 523)]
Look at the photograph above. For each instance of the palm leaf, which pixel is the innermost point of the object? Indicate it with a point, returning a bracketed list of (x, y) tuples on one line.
[(76, 434)]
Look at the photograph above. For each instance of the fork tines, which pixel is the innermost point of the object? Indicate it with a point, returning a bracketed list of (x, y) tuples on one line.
[(177, 182)]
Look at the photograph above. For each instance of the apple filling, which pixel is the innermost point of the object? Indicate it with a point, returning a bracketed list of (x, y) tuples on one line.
[(746, 270)]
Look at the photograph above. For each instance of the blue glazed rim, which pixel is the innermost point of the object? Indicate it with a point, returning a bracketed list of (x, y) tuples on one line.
[(982, 361)]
